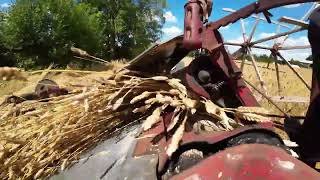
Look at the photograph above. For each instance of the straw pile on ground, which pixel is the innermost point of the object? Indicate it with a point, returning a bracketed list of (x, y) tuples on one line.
[(10, 73), (38, 139)]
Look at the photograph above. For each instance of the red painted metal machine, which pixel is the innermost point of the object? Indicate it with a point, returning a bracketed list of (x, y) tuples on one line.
[(250, 152)]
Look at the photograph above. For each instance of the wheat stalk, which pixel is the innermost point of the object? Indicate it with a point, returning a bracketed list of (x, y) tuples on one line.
[(140, 97), (253, 114), (176, 138), (51, 136), (152, 119), (251, 117), (175, 83)]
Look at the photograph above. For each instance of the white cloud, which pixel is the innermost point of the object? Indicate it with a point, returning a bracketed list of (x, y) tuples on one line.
[(225, 27), (237, 40), (270, 43), (299, 54), (302, 40), (292, 6), (156, 18), (5, 5), (264, 35), (172, 31), (169, 17)]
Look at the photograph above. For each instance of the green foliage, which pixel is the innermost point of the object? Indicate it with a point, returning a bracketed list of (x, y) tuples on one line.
[(309, 58), (130, 25), (35, 33), (261, 58), (44, 30), (269, 59), (6, 57)]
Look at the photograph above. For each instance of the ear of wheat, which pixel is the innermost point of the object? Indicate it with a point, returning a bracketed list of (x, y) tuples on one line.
[(52, 135), (253, 114)]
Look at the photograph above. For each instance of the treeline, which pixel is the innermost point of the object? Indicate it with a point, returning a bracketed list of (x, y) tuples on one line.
[(269, 59), (35, 33)]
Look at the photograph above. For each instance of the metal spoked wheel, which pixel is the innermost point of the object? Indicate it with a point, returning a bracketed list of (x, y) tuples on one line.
[(249, 44)]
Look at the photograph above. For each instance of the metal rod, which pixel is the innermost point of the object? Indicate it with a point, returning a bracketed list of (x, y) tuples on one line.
[(277, 72), (265, 96), (290, 66), (294, 47), (254, 46), (305, 17), (232, 44), (257, 17), (277, 32), (277, 36), (243, 29), (256, 69), (309, 12), (254, 29), (261, 47), (243, 62)]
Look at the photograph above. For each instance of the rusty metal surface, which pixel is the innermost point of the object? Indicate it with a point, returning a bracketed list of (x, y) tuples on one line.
[(146, 144), (160, 58), (143, 168), (106, 160), (250, 162), (293, 21), (197, 13), (193, 25), (232, 71)]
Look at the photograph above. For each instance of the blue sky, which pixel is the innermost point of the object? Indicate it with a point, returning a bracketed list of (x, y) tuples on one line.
[(4, 3), (232, 33), (174, 24)]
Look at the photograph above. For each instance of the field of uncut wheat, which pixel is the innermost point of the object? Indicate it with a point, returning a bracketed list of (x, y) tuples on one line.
[(290, 85)]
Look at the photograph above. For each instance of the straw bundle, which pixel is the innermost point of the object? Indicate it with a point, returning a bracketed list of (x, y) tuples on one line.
[(39, 138), (11, 73)]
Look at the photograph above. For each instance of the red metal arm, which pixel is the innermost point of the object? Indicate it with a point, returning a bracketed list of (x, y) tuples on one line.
[(196, 14)]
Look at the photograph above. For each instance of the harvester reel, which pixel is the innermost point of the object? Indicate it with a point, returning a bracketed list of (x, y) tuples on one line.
[(275, 51)]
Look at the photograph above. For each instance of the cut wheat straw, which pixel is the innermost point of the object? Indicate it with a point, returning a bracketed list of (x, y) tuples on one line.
[(176, 138), (152, 119), (37, 139), (11, 73)]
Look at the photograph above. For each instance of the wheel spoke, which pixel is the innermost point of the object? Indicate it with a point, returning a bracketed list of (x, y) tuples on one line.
[(295, 72), (278, 35), (254, 63), (254, 29), (243, 29), (277, 73)]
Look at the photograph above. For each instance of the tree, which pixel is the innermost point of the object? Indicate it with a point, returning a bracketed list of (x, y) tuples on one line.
[(6, 56), (38, 32), (309, 58), (44, 30), (130, 26)]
